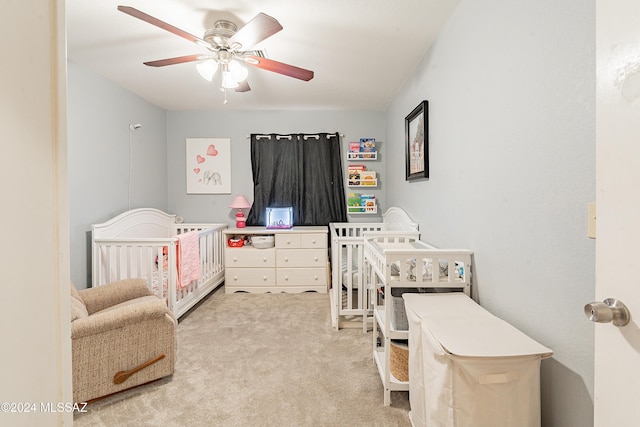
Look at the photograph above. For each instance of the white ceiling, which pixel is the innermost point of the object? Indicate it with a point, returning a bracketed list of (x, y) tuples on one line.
[(361, 51)]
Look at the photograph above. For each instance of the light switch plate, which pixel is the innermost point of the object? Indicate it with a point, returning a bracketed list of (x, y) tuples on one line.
[(591, 223)]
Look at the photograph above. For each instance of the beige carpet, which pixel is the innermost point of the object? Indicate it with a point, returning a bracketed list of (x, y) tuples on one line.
[(260, 360)]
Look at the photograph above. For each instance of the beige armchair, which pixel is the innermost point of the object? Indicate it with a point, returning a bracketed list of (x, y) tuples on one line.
[(122, 336)]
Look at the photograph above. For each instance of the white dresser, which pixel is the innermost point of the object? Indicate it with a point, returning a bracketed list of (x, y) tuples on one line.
[(297, 262)]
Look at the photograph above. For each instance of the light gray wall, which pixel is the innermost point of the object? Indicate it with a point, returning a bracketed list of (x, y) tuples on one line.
[(99, 114), (237, 126), (511, 86)]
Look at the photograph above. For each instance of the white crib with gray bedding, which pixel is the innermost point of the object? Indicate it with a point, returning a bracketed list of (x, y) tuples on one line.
[(349, 299)]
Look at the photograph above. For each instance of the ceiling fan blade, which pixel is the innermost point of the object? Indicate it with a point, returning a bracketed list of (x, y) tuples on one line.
[(256, 30), (177, 60), (243, 86), (279, 67), (161, 24)]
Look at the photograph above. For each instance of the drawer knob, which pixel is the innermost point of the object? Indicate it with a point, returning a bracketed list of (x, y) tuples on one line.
[(264, 278), (315, 278), (235, 259), (316, 259), (264, 259), (286, 278), (288, 242), (313, 241), (235, 278), (286, 259)]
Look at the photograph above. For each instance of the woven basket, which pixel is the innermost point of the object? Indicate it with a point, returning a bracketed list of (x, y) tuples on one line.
[(400, 360)]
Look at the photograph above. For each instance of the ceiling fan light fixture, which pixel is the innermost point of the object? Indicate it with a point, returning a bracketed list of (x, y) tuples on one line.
[(238, 72), (207, 69), (228, 82)]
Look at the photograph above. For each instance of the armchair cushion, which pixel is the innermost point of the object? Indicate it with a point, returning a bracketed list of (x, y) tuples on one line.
[(118, 316), (101, 297)]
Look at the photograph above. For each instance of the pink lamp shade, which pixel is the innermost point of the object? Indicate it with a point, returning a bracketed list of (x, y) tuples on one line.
[(240, 202)]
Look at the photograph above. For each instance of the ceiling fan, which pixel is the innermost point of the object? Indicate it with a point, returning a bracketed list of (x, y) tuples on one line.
[(225, 44)]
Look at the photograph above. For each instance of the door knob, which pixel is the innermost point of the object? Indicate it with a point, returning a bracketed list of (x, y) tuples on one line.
[(610, 310)]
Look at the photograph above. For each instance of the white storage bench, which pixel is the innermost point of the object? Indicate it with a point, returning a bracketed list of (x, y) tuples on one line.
[(468, 368)]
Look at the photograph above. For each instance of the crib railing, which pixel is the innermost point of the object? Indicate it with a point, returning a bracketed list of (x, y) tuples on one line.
[(155, 260), (347, 274), (123, 258), (449, 268), (211, 246), (353, 229), (375, 254)]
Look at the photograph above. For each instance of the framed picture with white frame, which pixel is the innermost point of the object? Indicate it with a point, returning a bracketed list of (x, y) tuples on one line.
[(208, 165)]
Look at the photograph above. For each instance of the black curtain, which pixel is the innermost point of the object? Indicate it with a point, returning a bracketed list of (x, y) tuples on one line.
[(298, 170)]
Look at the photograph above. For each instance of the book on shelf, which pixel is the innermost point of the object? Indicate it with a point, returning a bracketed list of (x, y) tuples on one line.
[(359, 175), (367, 147), (354, 147), (357, 167), (357, 202)]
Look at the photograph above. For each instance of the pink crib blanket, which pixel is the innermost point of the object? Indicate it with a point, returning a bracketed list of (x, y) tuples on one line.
[(188, 258)]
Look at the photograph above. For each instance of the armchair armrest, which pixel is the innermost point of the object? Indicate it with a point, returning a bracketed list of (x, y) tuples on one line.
[(120, 317), (105, 296)]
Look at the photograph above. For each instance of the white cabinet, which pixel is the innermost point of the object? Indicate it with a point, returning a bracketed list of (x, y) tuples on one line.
[(297, 262)]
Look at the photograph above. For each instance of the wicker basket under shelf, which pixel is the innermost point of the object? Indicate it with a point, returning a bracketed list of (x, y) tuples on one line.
[(400, 360)]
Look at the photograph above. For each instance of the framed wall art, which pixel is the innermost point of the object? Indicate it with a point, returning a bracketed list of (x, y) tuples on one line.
[(208, 165), (416, 126)]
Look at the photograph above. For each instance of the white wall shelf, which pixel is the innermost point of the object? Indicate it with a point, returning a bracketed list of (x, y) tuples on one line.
[(366, 155), (362, 210), (359, 183)]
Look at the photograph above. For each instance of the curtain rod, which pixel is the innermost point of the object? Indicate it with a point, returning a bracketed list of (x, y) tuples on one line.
[(313, 135)]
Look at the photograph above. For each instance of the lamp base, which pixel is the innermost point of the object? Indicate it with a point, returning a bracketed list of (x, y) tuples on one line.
[(240, 220)]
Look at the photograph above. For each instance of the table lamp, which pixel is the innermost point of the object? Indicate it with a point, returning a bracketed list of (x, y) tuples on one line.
[(240, 202)]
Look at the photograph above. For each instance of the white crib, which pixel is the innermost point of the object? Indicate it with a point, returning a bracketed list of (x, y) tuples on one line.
[(142, 243), (349, 300)]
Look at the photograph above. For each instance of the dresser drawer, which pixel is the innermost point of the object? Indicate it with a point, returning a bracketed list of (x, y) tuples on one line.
[(250, 277), (249, 257), (287, 241), (313, 241), (301, 258), (301, 276)]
